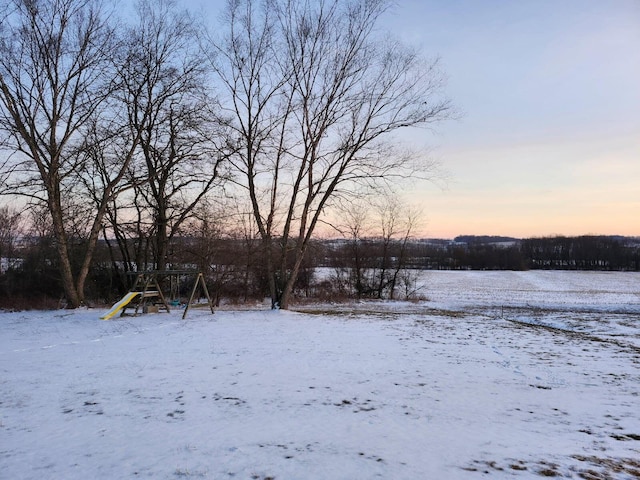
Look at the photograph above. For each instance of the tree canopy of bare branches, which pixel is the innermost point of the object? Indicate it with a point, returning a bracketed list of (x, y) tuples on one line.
[(316, 96), (55, 75), (181, 144)]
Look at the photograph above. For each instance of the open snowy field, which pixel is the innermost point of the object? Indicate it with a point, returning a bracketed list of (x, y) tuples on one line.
[(496, 375)]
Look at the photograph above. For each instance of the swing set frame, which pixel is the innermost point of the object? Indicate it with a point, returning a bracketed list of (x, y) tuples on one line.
[(147, 285)]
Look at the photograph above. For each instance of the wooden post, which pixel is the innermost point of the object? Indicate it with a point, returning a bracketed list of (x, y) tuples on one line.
[(199, 279), (149, 281)]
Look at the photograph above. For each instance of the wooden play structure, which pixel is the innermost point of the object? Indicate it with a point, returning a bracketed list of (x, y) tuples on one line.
[(146, 294)]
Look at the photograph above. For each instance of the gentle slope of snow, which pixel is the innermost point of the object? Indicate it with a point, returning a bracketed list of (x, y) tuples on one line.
[(507, 375)]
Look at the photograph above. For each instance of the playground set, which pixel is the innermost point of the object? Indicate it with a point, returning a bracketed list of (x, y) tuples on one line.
[(146, 294)]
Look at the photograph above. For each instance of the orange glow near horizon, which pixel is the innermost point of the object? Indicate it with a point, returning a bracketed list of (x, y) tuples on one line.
[(581, 187)]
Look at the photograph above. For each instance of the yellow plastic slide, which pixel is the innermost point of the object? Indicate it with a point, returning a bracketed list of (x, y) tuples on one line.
[(120, 305)]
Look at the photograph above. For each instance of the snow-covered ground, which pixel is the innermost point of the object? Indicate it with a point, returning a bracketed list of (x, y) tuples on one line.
[(497, 375)]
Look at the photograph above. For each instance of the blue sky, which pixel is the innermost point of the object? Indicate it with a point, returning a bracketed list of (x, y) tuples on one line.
[(549, 139)]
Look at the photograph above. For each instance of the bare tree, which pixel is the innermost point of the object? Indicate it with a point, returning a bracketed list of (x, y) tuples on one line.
[(10, 220), (398, 222), (377, 231), (55, 76), (246, 62), (223, 244), (354, 226), (316, 98), (179, 156)]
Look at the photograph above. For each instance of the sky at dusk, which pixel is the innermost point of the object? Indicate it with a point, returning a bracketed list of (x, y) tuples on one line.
[(548, 137), (548, 140)]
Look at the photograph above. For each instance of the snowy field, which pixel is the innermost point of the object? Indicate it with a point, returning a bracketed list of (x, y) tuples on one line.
[(496, 375)]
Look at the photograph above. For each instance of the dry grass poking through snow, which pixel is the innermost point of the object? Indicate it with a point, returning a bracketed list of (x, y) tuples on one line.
[(587, 467)]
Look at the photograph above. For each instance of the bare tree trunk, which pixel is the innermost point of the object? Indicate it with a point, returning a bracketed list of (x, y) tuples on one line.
[(161, 238), (74, 298)]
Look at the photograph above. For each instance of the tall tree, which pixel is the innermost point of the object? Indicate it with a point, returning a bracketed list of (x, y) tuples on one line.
[(179, 155), (317, 97), (250, 73), (55, 75)]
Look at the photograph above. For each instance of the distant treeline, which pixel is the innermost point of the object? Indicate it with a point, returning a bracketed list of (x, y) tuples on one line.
[(587, 252)]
